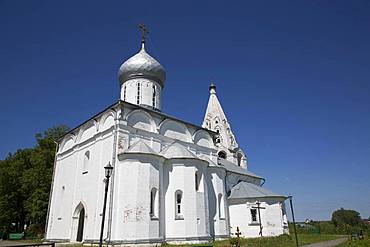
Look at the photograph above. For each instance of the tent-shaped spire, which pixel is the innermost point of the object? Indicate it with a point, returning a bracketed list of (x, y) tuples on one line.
[(215, 120)]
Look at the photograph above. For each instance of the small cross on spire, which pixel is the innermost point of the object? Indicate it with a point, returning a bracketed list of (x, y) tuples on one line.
[(144, 31)]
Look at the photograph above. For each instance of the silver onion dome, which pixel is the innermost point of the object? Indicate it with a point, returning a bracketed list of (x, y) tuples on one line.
[(142, 65)]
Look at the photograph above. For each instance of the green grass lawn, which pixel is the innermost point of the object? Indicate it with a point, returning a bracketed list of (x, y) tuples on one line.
[(280, 241), (283, 240), (356, 243)]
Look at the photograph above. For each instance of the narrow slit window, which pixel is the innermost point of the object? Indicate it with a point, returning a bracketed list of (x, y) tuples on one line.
[(196, 181), (153, 203), (154, 96), (86, 161), (178, 205), (221, 207), (138, 94), (124, 93), (240, 158)]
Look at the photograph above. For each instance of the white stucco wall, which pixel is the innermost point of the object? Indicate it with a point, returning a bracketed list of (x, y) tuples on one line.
[(72, 184), (271, 217), (179, 175), (216, 188), (135, 178)]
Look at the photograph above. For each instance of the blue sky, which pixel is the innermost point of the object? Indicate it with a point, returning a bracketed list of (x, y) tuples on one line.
[(292, 76)]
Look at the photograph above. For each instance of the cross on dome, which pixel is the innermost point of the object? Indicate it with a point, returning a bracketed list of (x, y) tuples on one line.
[(144, 31)]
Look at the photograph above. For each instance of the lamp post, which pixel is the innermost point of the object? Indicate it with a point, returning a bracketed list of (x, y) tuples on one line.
[(108, 172), (295, 230)]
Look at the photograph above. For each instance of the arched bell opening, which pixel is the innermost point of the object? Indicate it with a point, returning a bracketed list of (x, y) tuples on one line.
[(222, 154)]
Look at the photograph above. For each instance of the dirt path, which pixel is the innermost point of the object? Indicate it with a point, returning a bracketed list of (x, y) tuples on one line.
[(327, 243), (10, 243)]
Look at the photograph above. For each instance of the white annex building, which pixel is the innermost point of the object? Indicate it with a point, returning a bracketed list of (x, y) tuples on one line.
[(172, 181)]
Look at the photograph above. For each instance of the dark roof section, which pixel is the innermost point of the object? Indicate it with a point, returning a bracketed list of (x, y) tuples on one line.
[(231, 167)]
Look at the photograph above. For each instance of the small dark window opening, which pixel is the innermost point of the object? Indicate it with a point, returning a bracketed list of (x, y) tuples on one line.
[(152, 202), (124, 93), (178, 202), (138, 94), (254, 215), (196, 181), (240, 157), (222, 155), (153, 99)]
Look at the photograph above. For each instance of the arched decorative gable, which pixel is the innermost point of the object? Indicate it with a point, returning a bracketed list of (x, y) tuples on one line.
[(67, 143), (107, 121), (141, 120), (174, 130), (202, 138), (87, 132)]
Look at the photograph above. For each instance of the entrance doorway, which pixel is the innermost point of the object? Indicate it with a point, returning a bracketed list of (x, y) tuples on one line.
[(80, 229)]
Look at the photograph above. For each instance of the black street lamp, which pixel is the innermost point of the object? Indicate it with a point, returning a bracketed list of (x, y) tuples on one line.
[(108, 172)]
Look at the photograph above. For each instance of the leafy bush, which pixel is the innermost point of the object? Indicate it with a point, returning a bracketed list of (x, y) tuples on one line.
[(233, 241), (34, 231)]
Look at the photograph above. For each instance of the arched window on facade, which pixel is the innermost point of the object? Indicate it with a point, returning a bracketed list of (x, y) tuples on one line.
[(217, 120), (240, 158), (221, 207), (178, 205), (86, 161), (154, 203), (222, 154), (218, 139)]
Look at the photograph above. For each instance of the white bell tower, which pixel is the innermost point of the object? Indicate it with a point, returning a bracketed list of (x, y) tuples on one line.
[(215, 120)]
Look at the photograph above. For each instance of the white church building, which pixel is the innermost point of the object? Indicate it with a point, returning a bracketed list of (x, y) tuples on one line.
[(172, 182)]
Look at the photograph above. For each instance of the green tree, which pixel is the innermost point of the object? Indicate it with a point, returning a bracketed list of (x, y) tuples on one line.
[(25, 180), (38, 177), (13, 196), (344, 216)]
